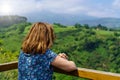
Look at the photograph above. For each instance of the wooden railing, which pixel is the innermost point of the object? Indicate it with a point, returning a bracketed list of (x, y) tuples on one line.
[(80, 72)]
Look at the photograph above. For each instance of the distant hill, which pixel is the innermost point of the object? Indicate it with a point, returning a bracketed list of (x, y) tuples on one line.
[(64, 19), (71, 19), (108, 22), (6, 21)]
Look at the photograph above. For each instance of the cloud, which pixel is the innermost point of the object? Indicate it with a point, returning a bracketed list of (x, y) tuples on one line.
[(101, 8), (102, 12), (61, 6), (19, 6), (57, 6), (116, 4)]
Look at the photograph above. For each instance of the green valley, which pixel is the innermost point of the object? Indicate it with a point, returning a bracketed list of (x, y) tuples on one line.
[(90, 47)]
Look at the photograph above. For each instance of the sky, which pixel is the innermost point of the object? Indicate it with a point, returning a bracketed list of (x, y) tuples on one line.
[(95, 8)]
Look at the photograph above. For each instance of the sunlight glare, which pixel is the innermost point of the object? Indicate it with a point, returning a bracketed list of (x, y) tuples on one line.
[(6, 9)]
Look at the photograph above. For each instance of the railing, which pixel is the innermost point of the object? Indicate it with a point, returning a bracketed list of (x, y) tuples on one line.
[(80, 72)]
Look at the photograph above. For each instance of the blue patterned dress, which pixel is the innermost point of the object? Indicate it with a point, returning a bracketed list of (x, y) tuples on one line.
[(35, 67)]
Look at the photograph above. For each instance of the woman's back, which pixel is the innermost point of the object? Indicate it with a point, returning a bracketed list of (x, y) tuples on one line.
[(36, 59), (36, 67)]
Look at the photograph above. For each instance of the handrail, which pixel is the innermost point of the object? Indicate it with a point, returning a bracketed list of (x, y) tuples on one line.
[(80, 72)]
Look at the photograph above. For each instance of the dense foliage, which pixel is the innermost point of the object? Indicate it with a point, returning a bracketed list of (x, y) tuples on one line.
[(95, 48)]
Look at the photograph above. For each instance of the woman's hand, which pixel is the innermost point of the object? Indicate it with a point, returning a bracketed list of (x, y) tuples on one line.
[(62, 62), (63, 55)]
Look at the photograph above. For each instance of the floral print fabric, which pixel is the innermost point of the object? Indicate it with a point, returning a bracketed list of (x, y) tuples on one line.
[(35, 67)]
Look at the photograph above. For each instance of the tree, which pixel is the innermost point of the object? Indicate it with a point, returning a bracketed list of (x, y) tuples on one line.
[(91, 43), (99, 26), (60, 25), (86, 26), (77, 25)]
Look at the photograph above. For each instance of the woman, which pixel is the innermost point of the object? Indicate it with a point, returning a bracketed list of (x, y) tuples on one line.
[(36, 59)]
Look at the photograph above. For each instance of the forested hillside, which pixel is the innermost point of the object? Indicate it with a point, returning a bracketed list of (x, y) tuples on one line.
[(90, 47)]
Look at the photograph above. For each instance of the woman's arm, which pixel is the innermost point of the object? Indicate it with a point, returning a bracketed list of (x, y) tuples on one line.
[(61, 62)]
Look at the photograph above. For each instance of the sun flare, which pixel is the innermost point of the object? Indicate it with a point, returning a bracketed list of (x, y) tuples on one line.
[(6, 9)]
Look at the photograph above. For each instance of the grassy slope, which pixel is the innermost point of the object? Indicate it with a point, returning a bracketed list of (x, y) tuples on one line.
[(70, 40)]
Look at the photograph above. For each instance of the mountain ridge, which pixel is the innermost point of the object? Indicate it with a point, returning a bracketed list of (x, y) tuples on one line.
[(108, 22), (72, 19), (68, 20)]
